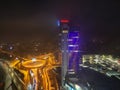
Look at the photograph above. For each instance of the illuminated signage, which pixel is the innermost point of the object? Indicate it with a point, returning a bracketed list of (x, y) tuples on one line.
[(64, 21)]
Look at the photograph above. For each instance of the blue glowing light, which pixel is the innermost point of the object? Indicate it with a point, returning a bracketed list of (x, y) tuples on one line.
[(58, 23)]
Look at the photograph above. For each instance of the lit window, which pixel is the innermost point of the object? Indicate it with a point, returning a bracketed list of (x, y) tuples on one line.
[(72, 45), (76, 37), (70, 40), (75, 51), (65, 31)]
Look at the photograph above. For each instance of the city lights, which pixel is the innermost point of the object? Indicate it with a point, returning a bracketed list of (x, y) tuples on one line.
[(60, 45)]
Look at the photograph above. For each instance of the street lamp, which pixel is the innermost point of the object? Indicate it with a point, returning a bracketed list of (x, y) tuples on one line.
[(33, 59)]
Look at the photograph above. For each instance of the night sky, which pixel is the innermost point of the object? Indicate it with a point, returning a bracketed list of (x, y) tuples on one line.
[(38, 18)]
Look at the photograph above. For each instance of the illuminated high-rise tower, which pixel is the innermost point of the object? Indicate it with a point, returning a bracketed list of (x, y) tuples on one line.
[(70, 47), (64, 30)]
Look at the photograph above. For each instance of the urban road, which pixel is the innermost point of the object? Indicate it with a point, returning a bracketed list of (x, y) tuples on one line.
[(37, 74)]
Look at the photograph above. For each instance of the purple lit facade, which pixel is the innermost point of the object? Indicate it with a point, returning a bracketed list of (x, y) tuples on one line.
[(74, 50)]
